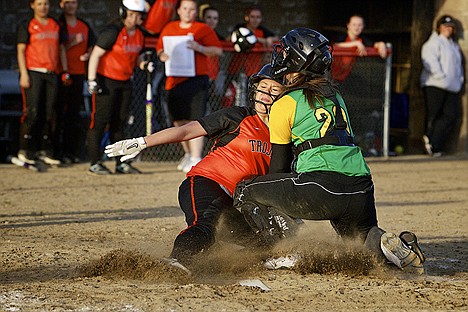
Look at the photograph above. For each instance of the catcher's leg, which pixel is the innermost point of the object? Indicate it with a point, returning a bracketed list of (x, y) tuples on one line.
[(269, 224)]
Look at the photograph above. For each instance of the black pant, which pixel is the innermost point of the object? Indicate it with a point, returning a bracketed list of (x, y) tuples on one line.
[(442, 115), (187, 101), (109, 108), (348, 202), (203, 202), (38, 119), (69, 124)]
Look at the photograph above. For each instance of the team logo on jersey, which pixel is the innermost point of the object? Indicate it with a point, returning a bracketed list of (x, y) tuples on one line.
[(259, 146)]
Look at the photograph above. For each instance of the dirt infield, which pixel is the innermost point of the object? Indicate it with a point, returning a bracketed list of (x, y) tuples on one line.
[(74, 242)]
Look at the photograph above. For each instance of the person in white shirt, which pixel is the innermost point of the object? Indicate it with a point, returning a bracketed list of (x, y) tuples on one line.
[(441, 80)]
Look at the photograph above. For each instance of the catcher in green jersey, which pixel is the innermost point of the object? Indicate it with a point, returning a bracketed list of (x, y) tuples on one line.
[(329, 178)]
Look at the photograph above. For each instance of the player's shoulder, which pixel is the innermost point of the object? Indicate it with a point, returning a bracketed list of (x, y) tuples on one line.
[(24, 23)]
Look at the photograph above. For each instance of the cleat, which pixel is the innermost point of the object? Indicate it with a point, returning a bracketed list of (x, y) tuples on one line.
[(99, 169), (281, 262), (411, 241), (399, 254), (23, 156), (175, 264), (48, 160), (125, 168)]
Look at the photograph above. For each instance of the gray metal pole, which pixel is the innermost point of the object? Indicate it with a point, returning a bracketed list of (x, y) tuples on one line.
[(386, 108)]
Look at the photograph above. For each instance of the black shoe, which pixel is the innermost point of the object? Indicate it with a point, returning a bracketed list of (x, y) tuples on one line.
[(99, 169), (126, 169)]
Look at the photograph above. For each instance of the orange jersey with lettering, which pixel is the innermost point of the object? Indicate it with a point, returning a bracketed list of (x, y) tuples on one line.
[(123, 50), (86, 37), (241, 148), (42, 44), (202, 34)]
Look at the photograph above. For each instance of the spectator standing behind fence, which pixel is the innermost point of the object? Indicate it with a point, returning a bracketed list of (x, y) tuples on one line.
[(187, 96), (442, 80), (79, 41), (39, 50), (111, 65), (252, 62), (355, 38)]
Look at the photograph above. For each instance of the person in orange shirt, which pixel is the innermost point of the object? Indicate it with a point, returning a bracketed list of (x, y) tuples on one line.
[(354, 38), (39, 50), (240, 150), (111, 64), (79, 42), (187, 96)]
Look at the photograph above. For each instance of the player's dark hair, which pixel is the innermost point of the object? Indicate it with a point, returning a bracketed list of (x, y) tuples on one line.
[(252, 8), (356, 15), (312, 86), (63, 23)]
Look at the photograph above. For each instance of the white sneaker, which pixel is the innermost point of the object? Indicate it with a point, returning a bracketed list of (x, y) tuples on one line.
[(176, 264), (48, 159), (281, 263), (192, 162), (183, 162), (398, 253), (22, 155)]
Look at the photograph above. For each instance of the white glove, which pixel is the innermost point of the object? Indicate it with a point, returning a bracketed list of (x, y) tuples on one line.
[(129, 148), (93, 87), (150, 67)]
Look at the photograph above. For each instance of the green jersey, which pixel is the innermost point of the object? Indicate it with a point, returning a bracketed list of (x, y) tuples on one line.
[(293, 120)]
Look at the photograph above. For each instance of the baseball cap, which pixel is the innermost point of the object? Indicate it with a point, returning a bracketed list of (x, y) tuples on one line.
[(446, 20)]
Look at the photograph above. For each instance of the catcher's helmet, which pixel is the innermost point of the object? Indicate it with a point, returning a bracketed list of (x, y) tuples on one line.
[(264, 73), (243, 39), (301, 50)]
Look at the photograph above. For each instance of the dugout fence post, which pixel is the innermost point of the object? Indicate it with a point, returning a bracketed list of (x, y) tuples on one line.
[(388, 86)]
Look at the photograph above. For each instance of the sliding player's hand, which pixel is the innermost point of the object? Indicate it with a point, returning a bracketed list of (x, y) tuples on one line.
[(127, 148)]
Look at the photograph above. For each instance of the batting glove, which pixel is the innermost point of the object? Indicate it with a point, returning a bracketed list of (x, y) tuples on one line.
[(149, 66), (66, 79), (128, 148), (93, 87)]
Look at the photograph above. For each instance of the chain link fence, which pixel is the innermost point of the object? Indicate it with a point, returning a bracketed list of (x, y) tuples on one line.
[(362, 81), (365, 85), (228, 87)]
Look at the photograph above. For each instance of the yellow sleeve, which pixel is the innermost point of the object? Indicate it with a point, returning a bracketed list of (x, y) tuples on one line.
[(282, 119)]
